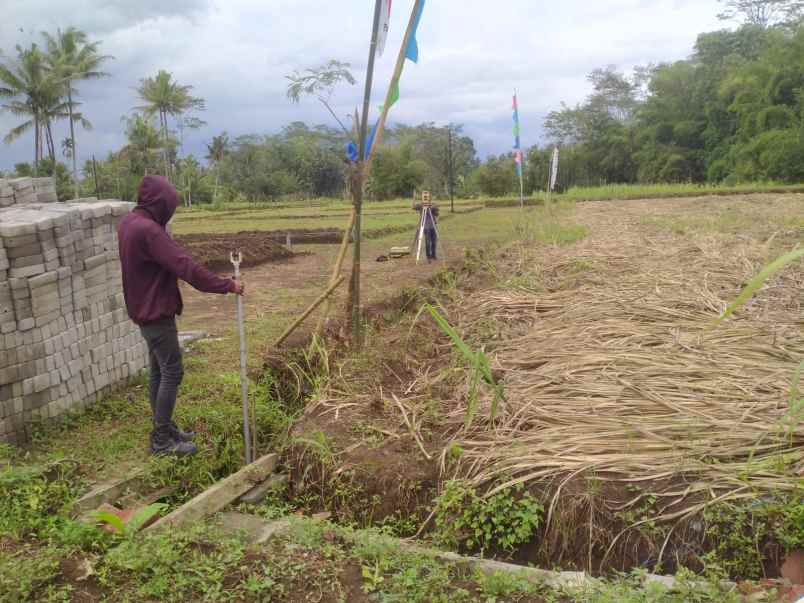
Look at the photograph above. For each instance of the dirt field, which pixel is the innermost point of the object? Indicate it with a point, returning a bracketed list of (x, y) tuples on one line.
[(213, 251), (277, 290)]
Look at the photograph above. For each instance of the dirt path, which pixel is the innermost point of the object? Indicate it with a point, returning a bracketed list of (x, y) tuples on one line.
[(278, 291)]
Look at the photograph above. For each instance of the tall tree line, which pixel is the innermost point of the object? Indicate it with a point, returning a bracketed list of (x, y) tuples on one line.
[(732, 112), (40, 85)]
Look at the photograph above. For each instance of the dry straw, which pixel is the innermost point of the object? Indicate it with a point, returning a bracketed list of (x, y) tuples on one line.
[(623, 380)]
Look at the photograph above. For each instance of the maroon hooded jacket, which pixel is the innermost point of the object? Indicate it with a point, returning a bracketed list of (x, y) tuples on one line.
[(152, 262)]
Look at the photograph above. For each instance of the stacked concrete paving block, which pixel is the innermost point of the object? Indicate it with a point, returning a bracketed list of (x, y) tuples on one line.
[(6, 193), (65, 337), (27, 191), (45, 189)]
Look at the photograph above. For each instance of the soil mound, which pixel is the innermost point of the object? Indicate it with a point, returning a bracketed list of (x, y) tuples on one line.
[(212, 250)]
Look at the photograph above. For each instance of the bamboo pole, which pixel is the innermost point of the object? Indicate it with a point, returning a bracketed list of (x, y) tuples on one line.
[(336, 271), (400, 64), (308, 311), (357, 328)]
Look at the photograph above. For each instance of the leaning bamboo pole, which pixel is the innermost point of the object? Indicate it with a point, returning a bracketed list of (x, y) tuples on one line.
[(321, 298)]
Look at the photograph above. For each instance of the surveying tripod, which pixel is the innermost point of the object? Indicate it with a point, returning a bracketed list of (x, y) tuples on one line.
[(427, 214)]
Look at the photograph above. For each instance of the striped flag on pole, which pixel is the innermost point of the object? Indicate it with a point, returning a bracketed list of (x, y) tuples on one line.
[(385, 25), (518, 157), (517, 142)]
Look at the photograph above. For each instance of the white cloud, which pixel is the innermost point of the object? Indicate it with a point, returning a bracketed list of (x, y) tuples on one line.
[(473, 54)]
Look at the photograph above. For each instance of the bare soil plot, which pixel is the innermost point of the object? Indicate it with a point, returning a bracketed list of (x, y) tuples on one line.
[(212, 250)]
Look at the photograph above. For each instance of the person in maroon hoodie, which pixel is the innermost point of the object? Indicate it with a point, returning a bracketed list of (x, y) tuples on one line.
[(152, 264)]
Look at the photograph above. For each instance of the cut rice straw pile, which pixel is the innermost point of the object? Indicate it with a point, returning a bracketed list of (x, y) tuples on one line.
[(626, 379)]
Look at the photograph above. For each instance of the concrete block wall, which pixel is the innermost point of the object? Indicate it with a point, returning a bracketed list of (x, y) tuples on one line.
[(65, 337)]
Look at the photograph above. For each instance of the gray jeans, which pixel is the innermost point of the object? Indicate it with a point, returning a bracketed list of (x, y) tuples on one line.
[(166, 368)]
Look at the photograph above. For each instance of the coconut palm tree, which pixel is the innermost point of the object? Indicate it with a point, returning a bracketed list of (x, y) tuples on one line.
[(165, 97), (32, 93), (54, 108), (72, 58), (216, 151)]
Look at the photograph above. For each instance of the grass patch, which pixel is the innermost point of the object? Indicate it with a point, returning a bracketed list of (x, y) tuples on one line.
[(551, 225), (656, 191)]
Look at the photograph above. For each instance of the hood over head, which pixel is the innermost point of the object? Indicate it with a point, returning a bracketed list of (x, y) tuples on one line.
[(158, 197)]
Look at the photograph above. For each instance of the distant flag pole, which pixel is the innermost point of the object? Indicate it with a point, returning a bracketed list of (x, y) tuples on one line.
[(518, 157), (553, 173), (385, 25), (409, 50)]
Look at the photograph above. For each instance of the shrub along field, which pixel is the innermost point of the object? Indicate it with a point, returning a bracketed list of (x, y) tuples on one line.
[(565, 401)]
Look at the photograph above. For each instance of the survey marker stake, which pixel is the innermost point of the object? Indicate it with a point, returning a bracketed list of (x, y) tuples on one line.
[(236, 258)]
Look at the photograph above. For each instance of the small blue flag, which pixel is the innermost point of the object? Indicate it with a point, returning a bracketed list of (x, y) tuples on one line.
[(370, 141), (412, 51), (351, 151)]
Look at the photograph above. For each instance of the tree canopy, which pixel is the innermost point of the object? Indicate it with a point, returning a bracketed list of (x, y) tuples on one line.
[(732, 111)]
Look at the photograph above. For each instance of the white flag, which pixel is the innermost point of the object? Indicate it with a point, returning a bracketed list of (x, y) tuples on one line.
[(385, 24), (554, 169)]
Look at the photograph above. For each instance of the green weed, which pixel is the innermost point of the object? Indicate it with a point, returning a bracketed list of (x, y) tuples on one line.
[(392, 574), (132, 527), (739, 533), (28, 578), (507, 586), (321, 446), (653, 191), (502, 521), (479, 368), (755, 283), (400, 525), (789, 528), (169, 568), (33, 505), (549, 226), (631, 588)]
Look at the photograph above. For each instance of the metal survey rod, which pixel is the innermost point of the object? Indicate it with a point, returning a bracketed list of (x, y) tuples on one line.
[(236, 258)]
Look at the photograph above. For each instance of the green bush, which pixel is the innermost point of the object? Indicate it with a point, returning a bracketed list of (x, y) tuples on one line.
[(777, 117), (789, 528), (505, 520), (740, 534), (718, 171)]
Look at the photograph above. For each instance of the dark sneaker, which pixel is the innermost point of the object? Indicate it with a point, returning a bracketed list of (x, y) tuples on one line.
[(163, 443), (181, 435), (175, 449)]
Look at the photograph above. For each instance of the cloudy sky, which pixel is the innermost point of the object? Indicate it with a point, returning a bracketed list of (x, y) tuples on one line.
[(473, 53)]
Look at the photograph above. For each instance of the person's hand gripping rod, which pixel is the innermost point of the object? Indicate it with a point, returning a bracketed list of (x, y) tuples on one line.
[(236, 258)]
